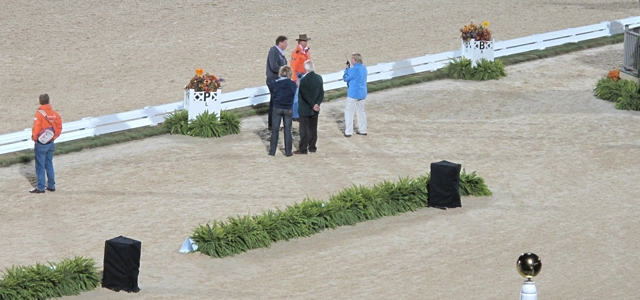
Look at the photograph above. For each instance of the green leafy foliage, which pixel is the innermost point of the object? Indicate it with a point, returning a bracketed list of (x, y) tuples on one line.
[(67, 278), (459, 68), (177, 122), (484, 70), (472, 184), (350, 206), (623, 93), (487, 70), (230, 122), (629, 98), (609, 89), (205, 125)]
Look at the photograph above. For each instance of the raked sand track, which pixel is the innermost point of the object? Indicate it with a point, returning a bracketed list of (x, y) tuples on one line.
[(562, 164)]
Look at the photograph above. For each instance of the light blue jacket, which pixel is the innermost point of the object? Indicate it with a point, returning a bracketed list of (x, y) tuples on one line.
[(356, 79)]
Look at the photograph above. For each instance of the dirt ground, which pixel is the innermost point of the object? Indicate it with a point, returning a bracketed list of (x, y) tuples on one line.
[(97, 58), (562, 164)]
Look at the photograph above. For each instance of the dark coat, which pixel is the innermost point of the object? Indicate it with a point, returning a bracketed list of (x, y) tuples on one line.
[(311, 93), (282, 91), (275, 60)]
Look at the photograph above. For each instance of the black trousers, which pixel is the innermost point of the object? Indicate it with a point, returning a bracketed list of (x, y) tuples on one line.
[(308, 133), (270, 118)]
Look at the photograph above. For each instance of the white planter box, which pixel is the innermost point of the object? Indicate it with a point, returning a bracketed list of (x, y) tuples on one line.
[(198, 102), (476, 50)]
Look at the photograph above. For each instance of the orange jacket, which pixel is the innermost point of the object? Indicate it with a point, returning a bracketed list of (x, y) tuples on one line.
[(40, 123), (298, 57)]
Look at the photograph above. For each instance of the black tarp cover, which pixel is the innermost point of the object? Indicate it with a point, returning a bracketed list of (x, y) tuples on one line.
[(444, 185), (121, 264)]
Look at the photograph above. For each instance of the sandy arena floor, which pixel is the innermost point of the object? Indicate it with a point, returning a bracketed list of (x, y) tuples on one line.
[(97, 58), (562, 164)]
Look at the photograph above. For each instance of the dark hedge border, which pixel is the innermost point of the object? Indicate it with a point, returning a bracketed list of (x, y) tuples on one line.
[(353, 205), (66, 278), (141, 133)]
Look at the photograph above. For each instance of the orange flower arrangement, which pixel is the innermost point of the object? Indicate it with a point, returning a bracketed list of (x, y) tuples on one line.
[(474, 31), (614, 74), (204, 83)]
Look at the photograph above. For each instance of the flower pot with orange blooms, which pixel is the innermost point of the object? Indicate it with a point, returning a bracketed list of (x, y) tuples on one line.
[(202, 94), (477, 42)]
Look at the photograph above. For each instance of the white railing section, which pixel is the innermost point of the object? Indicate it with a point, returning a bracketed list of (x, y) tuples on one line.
[(151, 116)]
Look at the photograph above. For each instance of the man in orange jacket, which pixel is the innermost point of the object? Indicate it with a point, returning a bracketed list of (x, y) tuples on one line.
[(45, 119), (299, 56)]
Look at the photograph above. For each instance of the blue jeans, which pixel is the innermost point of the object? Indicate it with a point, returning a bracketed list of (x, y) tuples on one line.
[(280, 114), (295, 98), (295, 105), (44, 162)]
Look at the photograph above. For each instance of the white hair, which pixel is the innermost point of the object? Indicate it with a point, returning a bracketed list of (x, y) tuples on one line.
[(309, 66)]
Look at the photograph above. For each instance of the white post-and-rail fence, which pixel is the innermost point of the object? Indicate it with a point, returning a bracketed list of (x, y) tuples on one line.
[(153, 115)]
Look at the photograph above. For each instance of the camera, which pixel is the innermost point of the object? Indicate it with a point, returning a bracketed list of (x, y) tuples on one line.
[(348, 64)]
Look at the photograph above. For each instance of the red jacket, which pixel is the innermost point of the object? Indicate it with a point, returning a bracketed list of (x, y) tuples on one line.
[(298, 57), (40, 123)]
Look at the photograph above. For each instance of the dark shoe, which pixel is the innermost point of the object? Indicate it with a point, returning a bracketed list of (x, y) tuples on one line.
[(36, 191), (295, 119), (347, 135), (357, 132), (299, 152), (50, 190), (312, 151), (288, 155), (272, 154)]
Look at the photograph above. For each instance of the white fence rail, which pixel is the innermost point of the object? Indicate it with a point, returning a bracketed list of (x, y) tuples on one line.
[(150, 116)]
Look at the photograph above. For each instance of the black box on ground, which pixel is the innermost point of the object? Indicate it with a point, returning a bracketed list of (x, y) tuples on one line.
[(444, 185), (121, 264)]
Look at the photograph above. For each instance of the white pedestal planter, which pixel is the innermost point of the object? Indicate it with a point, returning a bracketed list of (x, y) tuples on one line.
[(476, 50), (197, 102)]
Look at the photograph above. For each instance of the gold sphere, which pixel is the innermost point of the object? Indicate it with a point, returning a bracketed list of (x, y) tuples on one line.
[(529, 265)]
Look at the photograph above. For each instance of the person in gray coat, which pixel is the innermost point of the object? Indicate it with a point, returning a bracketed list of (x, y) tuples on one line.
[(275, 60)]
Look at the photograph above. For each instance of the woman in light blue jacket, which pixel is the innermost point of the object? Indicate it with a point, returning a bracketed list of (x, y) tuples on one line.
[(356, 79)]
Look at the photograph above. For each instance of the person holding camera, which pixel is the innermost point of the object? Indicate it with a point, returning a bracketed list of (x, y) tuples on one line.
[(355, 75), (282, 91)]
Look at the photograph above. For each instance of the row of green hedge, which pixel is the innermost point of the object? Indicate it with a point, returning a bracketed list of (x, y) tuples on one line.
[(66, 278), (623, 93), (353, 205)]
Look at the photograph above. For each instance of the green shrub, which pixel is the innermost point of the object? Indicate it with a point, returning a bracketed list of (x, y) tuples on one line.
[(623, 93), (350, 206), (459, 68), (484, 70), (177, 122), (231, 122), (629, 98), (487, 70), (205, 125), (67, 278), (609, 89), (472, 184)]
